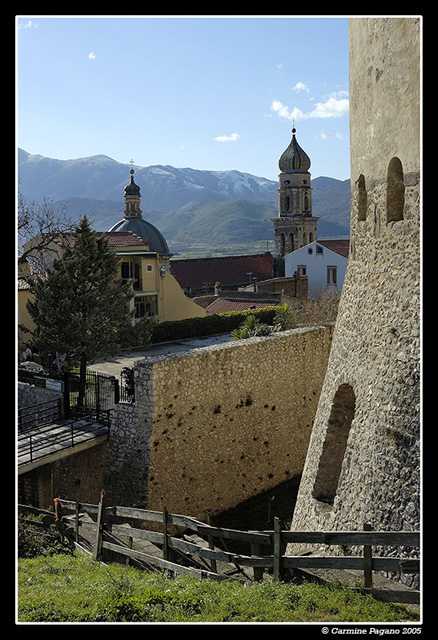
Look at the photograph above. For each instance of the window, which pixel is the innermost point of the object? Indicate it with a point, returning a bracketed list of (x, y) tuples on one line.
[(126, 270), (335, 444), (132, 271), (332, 276), (145, 306), (302, 269), (395, 191), (319, 250), (282, 244), (149, 267)]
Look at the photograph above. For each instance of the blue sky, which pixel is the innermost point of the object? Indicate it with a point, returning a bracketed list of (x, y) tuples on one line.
[(213, 93)]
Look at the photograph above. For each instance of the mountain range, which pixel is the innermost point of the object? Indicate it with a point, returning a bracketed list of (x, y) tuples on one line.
[(184, 204)]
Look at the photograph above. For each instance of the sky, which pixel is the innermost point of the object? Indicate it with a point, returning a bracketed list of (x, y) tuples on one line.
[(206, 92)]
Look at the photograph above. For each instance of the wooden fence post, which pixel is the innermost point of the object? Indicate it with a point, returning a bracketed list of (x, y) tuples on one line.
[(255, 551), (367, 561), (165, 545), (57, 509), (277, 549), (213, 564), (77, 521), (99, 532)]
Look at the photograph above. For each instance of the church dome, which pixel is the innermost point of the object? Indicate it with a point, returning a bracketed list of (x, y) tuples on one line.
[(294, 158), (133, 221), (132, 189), (146, 231)]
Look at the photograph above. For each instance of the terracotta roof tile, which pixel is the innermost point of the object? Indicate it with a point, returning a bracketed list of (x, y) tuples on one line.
[(116, 239), (339, 246), (230, 270), (121, 239)]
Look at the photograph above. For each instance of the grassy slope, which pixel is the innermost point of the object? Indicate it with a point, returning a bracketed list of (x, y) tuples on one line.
[(64, 588)]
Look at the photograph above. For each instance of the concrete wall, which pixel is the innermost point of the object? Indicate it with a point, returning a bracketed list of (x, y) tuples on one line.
[(316, 264), (215, 426)]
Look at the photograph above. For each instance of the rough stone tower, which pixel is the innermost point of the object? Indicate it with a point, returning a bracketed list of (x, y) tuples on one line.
[(363, 461), (295, 226)]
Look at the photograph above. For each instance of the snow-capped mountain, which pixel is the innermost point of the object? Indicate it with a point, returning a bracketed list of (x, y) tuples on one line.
[(233, 202), (163, 188)]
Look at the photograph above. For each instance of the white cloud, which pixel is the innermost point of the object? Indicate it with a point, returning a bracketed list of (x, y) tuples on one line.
[(335, 106), (324, 135), (300, 86), (232, 138), (92, 56), (28, 25), (283, 111)]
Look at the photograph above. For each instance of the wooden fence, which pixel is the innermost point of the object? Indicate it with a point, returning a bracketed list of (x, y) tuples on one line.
[(202, 559)]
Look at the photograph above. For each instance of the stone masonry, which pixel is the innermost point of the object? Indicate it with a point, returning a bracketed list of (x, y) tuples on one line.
[(363, 462), (215, 426)]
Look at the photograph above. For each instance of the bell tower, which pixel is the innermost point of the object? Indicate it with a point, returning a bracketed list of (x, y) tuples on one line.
[(132, 199), (295, 226)]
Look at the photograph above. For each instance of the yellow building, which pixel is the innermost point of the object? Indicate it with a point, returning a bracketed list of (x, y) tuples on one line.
[(144, 260), (147, 263)]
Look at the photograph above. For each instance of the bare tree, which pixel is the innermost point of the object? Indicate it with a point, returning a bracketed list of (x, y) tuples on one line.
[(38, 226)]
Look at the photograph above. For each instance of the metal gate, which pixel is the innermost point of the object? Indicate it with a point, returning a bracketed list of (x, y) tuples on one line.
[(97, 399)]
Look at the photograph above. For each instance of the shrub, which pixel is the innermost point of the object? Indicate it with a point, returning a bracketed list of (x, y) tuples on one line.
[(209, 325)]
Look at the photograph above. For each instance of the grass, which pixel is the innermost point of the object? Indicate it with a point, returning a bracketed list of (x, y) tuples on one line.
[(73, 588)]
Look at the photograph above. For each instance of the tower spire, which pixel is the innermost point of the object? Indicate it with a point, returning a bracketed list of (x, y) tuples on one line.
[(295, 225), (132, 197)]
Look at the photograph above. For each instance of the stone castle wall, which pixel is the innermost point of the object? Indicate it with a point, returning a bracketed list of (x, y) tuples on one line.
[(217, 425), (363, 463)]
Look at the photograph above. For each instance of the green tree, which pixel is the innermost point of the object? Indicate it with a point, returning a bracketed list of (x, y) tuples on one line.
[(80, 306)]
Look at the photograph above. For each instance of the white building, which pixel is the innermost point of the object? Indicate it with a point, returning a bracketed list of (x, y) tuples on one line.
[(324, 262)]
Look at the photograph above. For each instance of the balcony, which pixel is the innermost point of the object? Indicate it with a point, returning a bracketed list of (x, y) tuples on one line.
[(137, 284)]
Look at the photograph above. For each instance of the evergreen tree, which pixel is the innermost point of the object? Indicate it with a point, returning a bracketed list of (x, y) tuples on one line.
[(80, 308)]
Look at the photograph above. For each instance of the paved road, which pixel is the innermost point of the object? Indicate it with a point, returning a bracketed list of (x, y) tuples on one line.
[(114, 365)]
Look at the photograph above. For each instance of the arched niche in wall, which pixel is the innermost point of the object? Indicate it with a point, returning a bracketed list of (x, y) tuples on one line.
[(362, 199), (335, 444), (395, 191)]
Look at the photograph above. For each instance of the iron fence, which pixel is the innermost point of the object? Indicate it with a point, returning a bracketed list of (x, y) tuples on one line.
[(95, 396), (40, 414)]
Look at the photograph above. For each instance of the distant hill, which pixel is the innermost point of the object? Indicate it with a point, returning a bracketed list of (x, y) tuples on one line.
[(187, 205)]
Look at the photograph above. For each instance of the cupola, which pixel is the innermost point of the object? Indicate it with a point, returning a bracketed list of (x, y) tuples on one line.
[(294, 158)]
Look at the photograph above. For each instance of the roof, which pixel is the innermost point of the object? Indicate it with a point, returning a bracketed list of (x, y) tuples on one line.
[(294, 158), (197, 273), (220, 305), (338, 246), (115, 239), (120, 239), (144, 230)]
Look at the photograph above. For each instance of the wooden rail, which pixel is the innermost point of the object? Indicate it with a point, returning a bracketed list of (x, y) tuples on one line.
[(118, 538)]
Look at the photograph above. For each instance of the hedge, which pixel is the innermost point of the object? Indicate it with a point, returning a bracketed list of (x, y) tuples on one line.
[(209, 325)]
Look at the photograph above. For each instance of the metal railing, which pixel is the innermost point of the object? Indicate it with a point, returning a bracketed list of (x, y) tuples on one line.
[(41, 442), (39, 414)]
